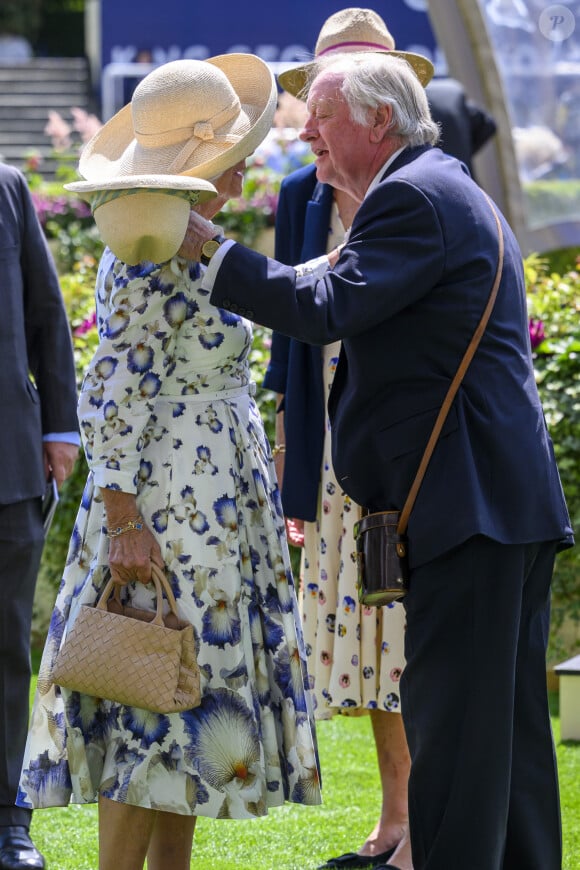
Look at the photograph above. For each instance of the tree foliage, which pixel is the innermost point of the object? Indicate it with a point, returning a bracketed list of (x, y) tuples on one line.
[(20, 18)]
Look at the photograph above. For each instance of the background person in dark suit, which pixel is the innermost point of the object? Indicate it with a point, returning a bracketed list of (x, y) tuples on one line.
[(405, 296), (465, 126), (38, 438), (365, 646)]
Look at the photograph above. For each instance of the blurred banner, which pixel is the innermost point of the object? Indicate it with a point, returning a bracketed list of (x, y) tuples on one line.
[(124, 41), (277, 32)]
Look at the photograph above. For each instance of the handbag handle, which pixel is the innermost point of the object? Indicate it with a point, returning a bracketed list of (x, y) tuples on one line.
[(161, 583), (455, 383)]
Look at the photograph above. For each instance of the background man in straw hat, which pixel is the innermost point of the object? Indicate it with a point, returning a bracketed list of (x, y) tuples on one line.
[(465, 126), (405, 295), (38, 438), (367, 652)]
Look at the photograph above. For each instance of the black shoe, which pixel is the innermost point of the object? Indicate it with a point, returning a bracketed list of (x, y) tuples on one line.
[(17, 851), (352, 861), (385, 867)]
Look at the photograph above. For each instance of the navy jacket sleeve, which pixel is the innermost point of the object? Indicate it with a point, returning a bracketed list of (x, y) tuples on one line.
[(465, 126), (295, 368), (277, 370)]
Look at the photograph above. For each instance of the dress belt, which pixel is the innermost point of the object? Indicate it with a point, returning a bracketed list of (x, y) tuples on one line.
[(249, 388)]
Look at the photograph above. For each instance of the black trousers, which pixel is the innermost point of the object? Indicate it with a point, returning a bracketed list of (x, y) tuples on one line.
[(483, 790), (21, 542)]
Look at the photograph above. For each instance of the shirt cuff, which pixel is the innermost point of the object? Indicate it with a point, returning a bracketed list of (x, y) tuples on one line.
[(317, 267), (214, 264), (66, 437)]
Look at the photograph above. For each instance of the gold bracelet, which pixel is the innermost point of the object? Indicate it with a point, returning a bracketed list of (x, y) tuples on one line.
[(278, 448), (135, 525)]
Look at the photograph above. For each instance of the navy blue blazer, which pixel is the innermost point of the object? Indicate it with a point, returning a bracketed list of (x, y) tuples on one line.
[(405, 298)]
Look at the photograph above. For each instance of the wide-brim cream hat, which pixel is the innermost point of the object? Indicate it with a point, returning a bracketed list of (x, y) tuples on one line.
[(188, 122), (352, 29), (187, 117)]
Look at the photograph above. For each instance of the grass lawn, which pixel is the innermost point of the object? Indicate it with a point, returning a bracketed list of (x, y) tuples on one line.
[(292, 837)]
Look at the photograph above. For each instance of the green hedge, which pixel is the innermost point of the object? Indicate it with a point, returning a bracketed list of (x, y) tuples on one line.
[(554, 306), (552, 201), (20, 18)]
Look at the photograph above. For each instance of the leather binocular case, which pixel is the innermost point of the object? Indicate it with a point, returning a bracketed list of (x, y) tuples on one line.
[(382, 559)]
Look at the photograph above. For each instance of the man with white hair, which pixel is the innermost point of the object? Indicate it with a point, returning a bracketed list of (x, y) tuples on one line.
[(405, 295)]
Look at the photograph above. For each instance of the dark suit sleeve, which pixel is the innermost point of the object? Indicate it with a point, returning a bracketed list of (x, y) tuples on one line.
[(48, 336), (482, 125), (465, 126), (394, 256), (277, 371)]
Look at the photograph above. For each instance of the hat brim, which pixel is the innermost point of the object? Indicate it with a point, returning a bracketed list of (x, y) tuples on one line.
[(246, 72), (295, 80), (106, 158), (204, 188), (149, 225)]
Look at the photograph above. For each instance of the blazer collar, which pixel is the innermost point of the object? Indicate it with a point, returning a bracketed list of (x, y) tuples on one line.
[(317, 221), (405, 157), (322, 193)]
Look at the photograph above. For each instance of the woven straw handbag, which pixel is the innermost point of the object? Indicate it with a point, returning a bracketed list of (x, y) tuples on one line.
[(135, 657)]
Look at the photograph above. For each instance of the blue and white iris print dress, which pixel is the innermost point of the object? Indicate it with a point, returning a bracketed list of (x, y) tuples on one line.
[(166, 411)]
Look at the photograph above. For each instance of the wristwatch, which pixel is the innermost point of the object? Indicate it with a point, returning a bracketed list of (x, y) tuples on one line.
[(209, 248)]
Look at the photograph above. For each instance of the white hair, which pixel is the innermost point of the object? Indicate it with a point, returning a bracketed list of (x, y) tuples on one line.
[(371, 80)]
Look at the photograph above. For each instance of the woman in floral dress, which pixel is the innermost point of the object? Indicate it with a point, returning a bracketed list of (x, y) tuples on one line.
[(174, 441)]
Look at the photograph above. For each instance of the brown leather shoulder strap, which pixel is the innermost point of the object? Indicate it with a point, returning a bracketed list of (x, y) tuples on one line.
[(455, 383)]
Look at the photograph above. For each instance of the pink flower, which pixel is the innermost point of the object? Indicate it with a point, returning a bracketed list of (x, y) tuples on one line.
[(32, 163), (59, 131), (537, 333), (86, 325), (85, 124)]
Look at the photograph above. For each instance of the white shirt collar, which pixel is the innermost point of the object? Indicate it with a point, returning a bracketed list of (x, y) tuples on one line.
[(383, 169)]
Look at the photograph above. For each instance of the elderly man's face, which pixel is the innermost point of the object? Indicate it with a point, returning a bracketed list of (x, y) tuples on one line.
[(342, 148)]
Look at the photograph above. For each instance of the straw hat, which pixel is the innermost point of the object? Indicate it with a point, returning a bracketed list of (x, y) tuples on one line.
[(188, 122), (349, 30)]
